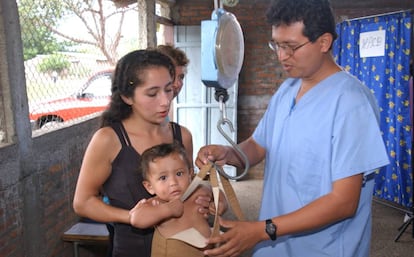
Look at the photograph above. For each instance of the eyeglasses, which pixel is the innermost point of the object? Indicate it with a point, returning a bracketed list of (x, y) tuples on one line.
[(287, 49)]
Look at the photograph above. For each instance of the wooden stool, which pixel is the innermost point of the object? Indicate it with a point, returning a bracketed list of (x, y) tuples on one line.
[(84, 233)]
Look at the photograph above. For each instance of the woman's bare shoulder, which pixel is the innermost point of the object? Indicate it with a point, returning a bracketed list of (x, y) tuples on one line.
[(105, 135), (105, 139)]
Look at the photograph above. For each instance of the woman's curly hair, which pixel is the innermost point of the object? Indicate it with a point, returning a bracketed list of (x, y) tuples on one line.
[(129, 73)]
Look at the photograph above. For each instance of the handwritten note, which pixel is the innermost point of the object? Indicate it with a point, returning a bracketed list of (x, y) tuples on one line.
[(372, 43)]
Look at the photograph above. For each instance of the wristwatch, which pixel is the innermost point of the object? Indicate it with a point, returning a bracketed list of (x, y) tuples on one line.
[(271, 229)]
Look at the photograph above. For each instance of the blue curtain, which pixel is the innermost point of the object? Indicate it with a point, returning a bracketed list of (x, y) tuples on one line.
[(388, 78)]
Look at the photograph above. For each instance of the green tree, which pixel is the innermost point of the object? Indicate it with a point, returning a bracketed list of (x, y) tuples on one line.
[(44, 16), (36, 37), (55, 62)]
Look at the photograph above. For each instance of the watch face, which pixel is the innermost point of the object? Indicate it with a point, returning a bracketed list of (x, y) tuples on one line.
[(270, 228)]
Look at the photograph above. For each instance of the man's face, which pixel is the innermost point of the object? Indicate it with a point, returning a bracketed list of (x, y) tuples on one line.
[(298, 56)]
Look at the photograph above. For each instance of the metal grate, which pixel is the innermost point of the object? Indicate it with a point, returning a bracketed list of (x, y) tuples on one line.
[(69, 48)]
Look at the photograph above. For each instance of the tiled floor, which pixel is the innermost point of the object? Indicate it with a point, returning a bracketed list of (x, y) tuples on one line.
[(386, 221)]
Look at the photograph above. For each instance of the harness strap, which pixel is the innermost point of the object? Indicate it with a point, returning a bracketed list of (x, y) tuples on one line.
[(216, 195), (196, 181), (211, 169), (232, 198)]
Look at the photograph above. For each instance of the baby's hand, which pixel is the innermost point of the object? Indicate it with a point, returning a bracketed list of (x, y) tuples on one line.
[(176, 207), (141, 203), (154, 201)]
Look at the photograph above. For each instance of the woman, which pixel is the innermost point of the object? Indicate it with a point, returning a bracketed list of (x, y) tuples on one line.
[(134, 121)]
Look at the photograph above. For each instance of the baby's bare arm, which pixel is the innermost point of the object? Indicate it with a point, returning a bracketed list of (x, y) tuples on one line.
[(149, 212)]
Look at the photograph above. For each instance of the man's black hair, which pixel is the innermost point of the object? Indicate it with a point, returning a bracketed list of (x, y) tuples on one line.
[(316, 15)]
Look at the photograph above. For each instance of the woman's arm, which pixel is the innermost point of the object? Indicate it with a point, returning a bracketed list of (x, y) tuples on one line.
[(95, 170), (150, 212)]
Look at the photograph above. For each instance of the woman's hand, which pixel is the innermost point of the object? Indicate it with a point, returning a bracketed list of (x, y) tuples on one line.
[(222, 205), (204, 199), (176, 208)]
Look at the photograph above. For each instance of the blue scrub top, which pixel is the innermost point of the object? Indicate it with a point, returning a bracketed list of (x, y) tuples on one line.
[(331, 133)]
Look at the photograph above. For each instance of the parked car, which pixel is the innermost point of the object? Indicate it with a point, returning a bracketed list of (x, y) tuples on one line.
[(91, 97)]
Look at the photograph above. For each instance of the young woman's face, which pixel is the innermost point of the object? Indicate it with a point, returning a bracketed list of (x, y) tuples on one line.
[(168, 177), (152, 99)]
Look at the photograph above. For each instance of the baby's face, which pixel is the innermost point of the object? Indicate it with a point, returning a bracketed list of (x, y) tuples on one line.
[(168, 177)]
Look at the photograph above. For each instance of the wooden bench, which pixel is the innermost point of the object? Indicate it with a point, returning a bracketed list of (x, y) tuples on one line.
[(86, 233)]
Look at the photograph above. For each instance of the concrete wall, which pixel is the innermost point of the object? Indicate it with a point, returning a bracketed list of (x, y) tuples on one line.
[(37, 192), (38, 175)]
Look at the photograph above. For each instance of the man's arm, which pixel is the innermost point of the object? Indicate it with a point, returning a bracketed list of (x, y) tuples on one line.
[(339, 204)]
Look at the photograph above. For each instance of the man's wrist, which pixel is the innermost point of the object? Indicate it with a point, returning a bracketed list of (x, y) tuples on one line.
[(233, 158)]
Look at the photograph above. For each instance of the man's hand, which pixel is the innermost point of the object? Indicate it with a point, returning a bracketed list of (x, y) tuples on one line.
[(214, 153), (241, 236)]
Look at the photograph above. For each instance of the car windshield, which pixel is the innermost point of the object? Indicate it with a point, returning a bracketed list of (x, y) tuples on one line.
[(99, 86)]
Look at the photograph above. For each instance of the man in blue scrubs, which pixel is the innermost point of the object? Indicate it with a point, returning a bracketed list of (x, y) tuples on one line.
[(321, 143)]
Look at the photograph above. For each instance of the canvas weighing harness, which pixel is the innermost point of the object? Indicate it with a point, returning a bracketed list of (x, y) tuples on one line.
[(192, 236)]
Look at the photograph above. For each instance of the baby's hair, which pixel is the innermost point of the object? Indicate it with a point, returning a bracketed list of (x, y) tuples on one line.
[(159, 151)]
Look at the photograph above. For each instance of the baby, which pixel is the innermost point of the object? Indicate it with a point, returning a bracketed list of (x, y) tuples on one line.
[(167, 172)]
